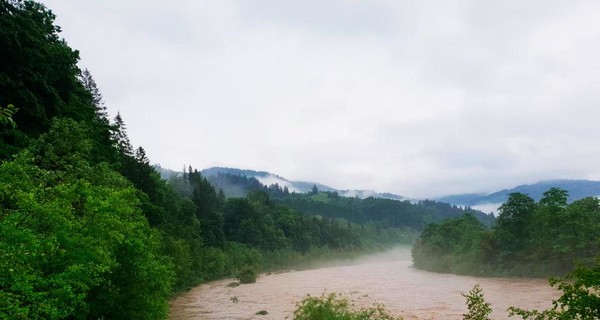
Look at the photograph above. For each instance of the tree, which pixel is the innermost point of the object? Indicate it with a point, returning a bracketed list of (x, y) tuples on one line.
[(548, 222), (478, 308), (140, 156), (206, 200), (555, 197), (97, 101), (73, 241), (451, 246), (121, 138), (513, 225), (39, 74), (314, 190)]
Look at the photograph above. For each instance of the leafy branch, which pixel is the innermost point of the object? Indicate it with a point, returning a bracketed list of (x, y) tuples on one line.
[(6, 115)]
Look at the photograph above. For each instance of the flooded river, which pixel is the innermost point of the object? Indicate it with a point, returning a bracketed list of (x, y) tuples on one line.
[(384, 278)]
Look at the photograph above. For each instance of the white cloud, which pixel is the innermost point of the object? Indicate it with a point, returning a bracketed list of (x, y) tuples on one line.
[(417, 98)]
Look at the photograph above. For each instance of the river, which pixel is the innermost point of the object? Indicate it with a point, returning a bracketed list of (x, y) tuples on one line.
[(387, 278)]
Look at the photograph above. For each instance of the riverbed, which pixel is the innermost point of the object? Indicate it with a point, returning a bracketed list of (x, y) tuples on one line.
[(386, 278)]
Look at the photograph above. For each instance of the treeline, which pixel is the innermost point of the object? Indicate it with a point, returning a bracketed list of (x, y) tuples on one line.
[(88, 229), (375, 211), (529, 238)]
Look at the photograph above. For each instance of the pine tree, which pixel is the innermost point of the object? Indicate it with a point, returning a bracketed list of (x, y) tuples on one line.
[(140, 156), (89, 84), (120, 136)]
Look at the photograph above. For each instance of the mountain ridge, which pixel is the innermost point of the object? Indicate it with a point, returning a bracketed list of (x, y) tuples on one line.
[(267, 178), (577, 188)]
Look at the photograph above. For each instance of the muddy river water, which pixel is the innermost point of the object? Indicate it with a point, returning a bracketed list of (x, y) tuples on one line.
[(387, 278)]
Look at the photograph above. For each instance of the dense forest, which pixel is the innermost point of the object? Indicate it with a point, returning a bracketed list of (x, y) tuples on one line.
[(529, 238), (89, 230), (376, 211)]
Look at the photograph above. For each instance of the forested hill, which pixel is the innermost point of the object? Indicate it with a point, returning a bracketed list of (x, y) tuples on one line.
[(577, 189), (330, 204), (267, 178)]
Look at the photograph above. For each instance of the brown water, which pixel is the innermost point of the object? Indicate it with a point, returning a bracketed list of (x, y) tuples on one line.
[(385, 278)]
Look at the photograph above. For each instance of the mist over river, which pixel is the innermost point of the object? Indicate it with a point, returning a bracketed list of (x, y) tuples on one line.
[(387, 278)]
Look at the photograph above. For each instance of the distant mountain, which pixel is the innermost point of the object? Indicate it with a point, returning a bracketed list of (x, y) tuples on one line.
[(577, 189), (268, 178)]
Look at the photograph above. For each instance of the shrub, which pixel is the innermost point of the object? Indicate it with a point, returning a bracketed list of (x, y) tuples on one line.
[(479, 309), (336, 307), (240, 255), (580, 297), (247, 274)]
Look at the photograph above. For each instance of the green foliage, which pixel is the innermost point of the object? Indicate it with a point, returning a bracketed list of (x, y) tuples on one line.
[(262, 313), (73, 242), (334, 306), (239, 255), (247, 274), (320, 197), (529, 239), (513, 226), (580, 298), (6, 115), (386, 212), (213, 263), (38, 73), (478, 308), (450, 246)]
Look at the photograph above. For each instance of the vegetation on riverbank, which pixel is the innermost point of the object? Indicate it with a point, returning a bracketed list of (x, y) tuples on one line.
[(580, 299), (335, 306), (529, 239)]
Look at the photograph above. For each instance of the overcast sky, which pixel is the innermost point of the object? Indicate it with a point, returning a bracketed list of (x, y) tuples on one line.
[(419, 98)]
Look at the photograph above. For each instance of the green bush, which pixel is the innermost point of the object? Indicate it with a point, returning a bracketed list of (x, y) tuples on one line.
[(334, 306), (213, 263), (247, 274), (240, 255), (479, 309)]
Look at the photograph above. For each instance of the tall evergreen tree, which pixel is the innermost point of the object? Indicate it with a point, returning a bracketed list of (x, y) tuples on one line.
[(97, 101), (121, 138)]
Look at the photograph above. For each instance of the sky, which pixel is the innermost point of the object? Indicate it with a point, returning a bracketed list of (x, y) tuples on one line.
[(418, 98)]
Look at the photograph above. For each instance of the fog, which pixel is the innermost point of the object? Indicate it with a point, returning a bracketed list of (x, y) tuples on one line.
[(488, 207), (387, 278), (272, 179)]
